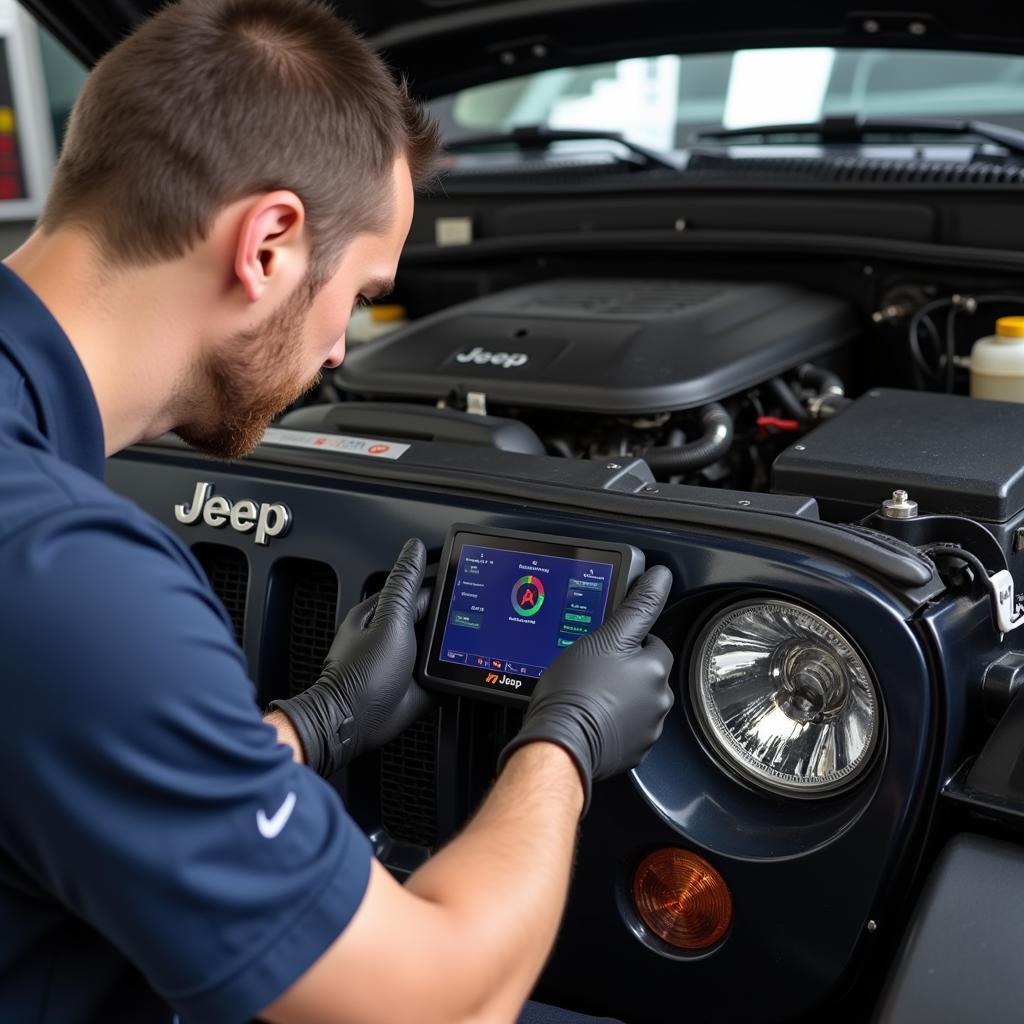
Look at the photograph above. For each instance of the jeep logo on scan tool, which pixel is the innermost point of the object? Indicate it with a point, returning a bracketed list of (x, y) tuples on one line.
[(268, 520), (481, 357), (495, 680)]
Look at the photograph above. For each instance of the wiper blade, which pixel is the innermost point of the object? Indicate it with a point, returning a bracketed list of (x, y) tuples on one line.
[(856, 129), (537, 137)]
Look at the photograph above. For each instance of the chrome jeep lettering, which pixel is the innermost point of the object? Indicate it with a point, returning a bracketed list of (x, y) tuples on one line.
[(244, 515), (272, 522), (188, 514), (216, 512), (268, 519)]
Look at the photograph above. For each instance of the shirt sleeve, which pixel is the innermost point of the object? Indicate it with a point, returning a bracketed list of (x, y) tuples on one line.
[(153, 801)]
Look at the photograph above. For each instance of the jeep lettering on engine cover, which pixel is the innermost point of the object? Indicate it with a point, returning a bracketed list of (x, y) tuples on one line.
[(270, 520), (481, 357)]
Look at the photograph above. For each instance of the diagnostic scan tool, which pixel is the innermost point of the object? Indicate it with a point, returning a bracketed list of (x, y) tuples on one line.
[(506, 604)]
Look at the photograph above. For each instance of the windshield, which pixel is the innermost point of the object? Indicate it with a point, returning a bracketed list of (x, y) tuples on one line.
[(663, 102)]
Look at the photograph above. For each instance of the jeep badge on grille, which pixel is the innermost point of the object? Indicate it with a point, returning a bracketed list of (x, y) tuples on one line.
[(268, 520)]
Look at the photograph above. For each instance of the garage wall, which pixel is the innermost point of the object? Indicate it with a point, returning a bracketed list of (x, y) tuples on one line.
[(12, 235), (55, 78)]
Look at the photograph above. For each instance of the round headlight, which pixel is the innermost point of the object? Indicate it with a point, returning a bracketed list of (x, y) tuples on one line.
[(785, 698)]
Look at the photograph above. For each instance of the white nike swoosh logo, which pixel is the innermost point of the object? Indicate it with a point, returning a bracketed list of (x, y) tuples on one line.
[(271, 827)]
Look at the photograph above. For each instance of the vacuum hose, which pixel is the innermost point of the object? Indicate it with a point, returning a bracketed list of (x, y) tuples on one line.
[(823, 381), (713, 443), (783, 394)]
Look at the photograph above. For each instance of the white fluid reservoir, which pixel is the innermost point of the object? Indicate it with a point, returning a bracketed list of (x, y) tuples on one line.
[(997, 362)]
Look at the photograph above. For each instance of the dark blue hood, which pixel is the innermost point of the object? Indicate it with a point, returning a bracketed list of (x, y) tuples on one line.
[(443, 45)]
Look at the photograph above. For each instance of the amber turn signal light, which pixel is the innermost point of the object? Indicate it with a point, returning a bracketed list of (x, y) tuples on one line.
[(682, 899)]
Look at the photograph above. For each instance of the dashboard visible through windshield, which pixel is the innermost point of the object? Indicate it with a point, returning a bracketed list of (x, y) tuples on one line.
[(666, 102)]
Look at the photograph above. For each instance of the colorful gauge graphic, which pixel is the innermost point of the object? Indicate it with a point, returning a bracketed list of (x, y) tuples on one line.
[(527, 596)]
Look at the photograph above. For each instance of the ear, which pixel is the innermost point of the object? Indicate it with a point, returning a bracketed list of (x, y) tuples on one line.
[(272, 251)]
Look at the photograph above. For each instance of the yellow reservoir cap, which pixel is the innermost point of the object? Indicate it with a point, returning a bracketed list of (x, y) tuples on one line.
[(1010, 327), (388, 313)]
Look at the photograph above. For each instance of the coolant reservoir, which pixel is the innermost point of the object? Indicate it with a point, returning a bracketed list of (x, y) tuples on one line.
[(370, 322), (997, 362)]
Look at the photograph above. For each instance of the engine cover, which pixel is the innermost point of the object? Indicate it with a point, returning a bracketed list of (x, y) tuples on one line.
[(618, 346)]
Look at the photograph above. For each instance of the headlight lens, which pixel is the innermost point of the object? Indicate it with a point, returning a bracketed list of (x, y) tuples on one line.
[(785, 698)]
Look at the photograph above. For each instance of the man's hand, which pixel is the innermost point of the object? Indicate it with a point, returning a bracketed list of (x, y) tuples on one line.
[(604, 699), (366, 695)]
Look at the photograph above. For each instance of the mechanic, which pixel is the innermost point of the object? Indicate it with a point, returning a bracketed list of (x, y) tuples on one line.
[(237, 175)]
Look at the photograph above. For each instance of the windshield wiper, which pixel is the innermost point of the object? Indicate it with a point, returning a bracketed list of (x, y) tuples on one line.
[(537, 137), (856, 129)]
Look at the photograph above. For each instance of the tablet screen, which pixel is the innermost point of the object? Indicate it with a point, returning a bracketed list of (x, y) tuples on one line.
[(508, 608)]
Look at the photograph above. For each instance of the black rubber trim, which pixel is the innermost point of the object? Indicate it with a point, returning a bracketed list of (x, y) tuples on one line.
[(448, 471), (857, 170), (686, 184), (701, 240)]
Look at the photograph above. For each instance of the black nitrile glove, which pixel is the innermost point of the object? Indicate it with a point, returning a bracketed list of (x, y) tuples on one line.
[(605, 698), (366, 694)]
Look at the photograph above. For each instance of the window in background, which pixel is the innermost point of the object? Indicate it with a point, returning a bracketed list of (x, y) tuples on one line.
[(664, 101), (63, 75), (26, 134)]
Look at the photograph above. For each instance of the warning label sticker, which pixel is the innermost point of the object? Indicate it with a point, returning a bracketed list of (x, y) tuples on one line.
[(335, 443)]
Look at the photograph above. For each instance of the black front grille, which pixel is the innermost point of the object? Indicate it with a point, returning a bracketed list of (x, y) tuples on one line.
[(228, 571), (408, 783), (312, 609)]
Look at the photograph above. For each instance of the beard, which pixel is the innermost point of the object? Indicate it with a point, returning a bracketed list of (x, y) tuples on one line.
[(251, 378)]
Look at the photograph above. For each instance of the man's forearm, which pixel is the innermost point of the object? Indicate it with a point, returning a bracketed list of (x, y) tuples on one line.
[(505, 878), (286, 734), (464, 940), (519, 845)]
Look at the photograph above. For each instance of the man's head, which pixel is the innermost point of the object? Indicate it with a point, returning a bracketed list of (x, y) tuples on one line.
[(249, 375), (268, 130)]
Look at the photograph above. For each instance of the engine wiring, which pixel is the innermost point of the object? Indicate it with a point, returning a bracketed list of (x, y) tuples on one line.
[(1007, 610), (940, 375), (944, 551)]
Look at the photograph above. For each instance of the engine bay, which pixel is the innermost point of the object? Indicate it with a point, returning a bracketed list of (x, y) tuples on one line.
[(712, 382), (611, 368), (613, 346)]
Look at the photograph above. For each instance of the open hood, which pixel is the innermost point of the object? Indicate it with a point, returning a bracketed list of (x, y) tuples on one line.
[(443, 45)]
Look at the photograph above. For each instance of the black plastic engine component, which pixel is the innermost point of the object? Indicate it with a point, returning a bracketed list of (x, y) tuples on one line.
[(954, 455), (615, 346), (965, 926), (406, 422)]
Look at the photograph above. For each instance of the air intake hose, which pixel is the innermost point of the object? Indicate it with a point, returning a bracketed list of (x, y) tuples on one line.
[(713, 443)]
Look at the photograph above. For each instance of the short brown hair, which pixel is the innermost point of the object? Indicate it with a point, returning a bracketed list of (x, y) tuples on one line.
[(213, 100)]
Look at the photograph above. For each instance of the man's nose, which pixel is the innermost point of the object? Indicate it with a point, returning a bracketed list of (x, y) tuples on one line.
[(336, 355)]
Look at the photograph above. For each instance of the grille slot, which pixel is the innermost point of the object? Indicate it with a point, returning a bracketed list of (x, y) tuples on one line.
[(408, 783), (312, 609), (228, 572)]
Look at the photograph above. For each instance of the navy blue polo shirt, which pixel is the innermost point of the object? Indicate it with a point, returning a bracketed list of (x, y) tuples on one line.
[(160, 852)]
